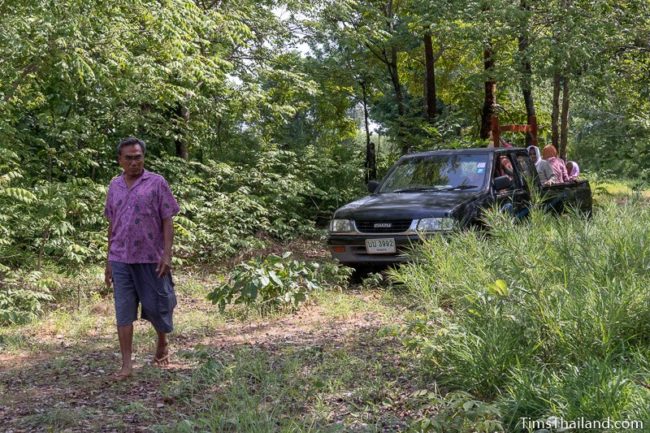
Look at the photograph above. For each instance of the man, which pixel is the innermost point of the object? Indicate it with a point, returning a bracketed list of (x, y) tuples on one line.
[(139, 208)]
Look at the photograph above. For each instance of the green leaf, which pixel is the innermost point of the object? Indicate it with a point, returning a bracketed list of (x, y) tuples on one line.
[(19, 194)]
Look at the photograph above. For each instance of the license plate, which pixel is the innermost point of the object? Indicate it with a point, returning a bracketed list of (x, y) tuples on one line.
[(380, 246)]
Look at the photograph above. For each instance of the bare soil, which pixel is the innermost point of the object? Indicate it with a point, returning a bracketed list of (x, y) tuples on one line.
[(63, 383)]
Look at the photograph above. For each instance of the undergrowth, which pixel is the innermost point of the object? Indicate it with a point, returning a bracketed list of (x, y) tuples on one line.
[(52, 230), (276, 283), (546, 318)]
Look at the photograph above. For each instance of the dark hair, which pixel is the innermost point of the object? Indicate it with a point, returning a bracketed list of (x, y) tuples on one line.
[(130, 141)]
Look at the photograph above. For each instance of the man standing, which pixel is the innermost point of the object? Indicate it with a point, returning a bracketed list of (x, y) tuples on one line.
[(139, 208)]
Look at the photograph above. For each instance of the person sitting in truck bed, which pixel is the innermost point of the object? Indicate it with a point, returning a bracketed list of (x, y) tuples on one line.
[(573, 169), (544, 170), (549, 153)]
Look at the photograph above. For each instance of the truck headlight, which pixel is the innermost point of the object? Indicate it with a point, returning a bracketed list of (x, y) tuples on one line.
[(341, 226), (435, 224)]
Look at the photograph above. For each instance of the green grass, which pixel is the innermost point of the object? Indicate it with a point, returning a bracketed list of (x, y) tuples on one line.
[(92, 316), (334, 370), (546, 318), (346, 304), (299, 389), (56, 418), (606, 190), (549, 317)]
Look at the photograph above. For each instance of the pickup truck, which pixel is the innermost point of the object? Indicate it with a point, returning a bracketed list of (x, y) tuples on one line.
[(438, 192)]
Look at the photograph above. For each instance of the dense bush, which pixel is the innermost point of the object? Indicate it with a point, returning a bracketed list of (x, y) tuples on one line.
[(550, 317), (225, 207), (23, 296), (276, 283)]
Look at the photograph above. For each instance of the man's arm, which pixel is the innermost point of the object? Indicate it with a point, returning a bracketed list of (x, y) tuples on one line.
[(165, 263), (108, 272)]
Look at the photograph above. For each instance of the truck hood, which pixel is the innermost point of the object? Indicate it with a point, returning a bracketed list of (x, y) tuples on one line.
[(407, 205)]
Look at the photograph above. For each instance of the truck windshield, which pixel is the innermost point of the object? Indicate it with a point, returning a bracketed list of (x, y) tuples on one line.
[(437, 173)]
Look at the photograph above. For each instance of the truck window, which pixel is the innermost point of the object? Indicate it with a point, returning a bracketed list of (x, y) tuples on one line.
[(505, 167), (526, 168), (437, 173)]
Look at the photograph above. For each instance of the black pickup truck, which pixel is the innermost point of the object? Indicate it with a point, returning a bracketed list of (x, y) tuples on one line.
[(441, 191)]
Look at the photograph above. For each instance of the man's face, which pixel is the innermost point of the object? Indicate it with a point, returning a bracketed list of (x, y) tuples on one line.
[(131, 160)]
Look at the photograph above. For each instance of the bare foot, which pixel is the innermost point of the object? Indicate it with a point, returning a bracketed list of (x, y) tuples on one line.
[(125, 372)]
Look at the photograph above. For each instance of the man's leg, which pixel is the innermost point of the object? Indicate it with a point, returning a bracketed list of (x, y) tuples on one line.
[(158, 301), (125, 335), (162, 352), (126, 309)]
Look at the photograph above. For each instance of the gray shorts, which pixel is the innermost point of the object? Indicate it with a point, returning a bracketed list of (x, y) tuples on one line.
[(138, 284)]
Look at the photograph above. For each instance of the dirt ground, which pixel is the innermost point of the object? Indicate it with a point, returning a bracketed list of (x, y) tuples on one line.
[(60, 381)]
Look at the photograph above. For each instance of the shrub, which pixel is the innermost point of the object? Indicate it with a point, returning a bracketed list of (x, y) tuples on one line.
[(540, 317), (22, 296), (276, 283), (225, 208)]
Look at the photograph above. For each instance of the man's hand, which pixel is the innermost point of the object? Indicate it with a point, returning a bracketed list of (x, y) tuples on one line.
[(164, 266), (108, 275)]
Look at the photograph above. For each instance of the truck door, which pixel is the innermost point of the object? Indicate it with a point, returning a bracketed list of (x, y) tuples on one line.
[(515, 199), (528, 172)]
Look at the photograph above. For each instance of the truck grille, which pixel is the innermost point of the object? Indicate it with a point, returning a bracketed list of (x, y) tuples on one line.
[(392, 226)]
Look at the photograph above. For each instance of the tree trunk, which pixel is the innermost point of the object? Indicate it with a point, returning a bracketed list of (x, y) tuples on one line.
[(564, 127), (555, 113), (527, 73), (181, 149), (371, 162), (490, 91), (429, 79), (183, 115), (397, 86), (218, 134), (399, 99)]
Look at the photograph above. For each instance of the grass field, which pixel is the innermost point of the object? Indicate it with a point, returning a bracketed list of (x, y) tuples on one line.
[(545, 320), (327, 368)]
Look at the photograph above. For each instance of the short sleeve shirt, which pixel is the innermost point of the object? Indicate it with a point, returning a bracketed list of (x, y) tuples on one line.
[(544, 170), (559, 169), (136, 216)]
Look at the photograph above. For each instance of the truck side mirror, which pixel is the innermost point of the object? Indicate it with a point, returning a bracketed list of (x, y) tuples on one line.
[(502, 182), (372, 186)]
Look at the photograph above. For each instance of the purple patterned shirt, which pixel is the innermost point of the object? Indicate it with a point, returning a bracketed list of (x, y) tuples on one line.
[(136, 215)]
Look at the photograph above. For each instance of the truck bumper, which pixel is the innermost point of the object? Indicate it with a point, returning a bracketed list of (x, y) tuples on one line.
[(351, 249)]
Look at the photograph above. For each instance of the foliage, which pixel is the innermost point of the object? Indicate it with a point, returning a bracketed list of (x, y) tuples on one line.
[(258, 101), (224, 208), (248, 109), (458, 412), (551, 320), (22, 295), (599, 47), (228, 207), (276, 283)]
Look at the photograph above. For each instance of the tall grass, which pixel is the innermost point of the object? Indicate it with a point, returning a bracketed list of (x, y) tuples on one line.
[(549, 317)]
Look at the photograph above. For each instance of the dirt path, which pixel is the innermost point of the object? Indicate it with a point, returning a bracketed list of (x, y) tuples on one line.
[(61, 382)]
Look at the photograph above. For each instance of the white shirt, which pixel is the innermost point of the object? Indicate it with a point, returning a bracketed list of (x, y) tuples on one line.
[(545, 172)]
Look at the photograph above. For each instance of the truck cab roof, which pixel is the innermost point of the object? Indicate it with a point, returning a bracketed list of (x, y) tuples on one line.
[(472, 151)]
